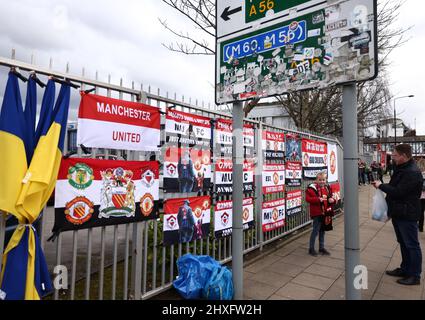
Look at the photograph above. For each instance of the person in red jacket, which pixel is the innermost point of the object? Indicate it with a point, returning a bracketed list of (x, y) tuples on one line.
[(319, 196)]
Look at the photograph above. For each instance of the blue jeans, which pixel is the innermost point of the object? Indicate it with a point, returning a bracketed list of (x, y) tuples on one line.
[(411, 256), (317, 225)]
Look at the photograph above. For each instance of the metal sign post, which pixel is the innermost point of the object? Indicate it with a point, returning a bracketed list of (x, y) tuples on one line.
[(351, 195), (237, 198)]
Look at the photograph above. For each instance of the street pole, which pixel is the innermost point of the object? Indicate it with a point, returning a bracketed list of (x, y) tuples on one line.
[(237, 198), (395, 126), (351, 194)]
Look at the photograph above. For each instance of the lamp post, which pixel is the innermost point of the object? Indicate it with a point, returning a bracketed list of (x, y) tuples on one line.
[(395, 123)]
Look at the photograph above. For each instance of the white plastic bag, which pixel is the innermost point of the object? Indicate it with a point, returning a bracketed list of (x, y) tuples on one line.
[(380, 207)]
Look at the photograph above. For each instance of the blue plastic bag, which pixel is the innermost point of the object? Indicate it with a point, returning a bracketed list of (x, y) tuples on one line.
[(194, 273), (220, 285)]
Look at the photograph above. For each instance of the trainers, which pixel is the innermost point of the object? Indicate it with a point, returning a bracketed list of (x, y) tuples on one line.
[(409, 281), (312, 252), (396, 273), (324, 252)]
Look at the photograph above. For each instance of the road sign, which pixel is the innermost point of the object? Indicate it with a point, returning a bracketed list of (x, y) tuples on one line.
[(271, 47)]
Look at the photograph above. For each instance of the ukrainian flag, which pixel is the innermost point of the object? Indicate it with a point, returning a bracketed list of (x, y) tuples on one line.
[(25, 274)]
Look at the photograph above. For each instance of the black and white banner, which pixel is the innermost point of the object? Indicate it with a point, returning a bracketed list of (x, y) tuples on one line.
[(273, 145), (224, 176), (293, 174), (223, 216), (223, 138)]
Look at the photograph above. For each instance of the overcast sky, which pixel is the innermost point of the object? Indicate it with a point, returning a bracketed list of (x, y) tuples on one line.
[(123, 38)]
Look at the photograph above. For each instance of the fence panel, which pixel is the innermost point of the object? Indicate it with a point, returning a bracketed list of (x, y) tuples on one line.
[(107, 251)]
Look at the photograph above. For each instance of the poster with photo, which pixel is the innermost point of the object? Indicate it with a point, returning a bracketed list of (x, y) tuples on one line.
[(293, 174), (224, 176), (315, 158), (187, 159), (336, 191), (273, 145), (186, 219), (92, 193), (223, 215), (293, 202), (292, 147), (273, 178), (273, 215)]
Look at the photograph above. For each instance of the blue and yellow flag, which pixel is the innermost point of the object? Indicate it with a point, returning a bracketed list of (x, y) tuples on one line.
[(13, 164), (30, 115), (46, 112), (25, 274)]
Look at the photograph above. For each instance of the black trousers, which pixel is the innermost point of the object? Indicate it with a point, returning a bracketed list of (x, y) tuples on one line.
[(421, 219)]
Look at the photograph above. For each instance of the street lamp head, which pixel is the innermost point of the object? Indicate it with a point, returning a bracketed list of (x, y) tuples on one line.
[(411, 96)]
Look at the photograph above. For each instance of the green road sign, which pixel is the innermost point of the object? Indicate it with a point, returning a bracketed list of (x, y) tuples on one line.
[(257, 9), (312, 47)]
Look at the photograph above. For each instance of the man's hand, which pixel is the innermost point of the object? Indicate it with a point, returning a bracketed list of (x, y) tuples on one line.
[(376, 184)]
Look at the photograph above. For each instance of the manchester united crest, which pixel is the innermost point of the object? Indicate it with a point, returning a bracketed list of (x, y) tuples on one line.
[(79, 210), (117, 194), (147, 204), (245, 214), (80, 176)]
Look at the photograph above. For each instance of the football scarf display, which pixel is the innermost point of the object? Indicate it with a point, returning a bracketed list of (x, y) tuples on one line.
[(315, 156), (273, 215), (223, 215), (224, 176), (293, 174), (293, 202), (187, 161), (273, 178), (273, 145), (186, 219), (117, 124), (91, 193)]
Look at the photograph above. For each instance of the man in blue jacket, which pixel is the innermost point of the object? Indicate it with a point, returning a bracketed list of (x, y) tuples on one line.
[(404, 208)]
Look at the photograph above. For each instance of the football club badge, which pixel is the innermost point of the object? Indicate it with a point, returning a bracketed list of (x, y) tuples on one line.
[(171, 169), (117, 194), (275, 214), (79, 210), (148, 178), (80, 176), (146, 204), (224, 219), (276, 178), (245, 214), (171, 222)]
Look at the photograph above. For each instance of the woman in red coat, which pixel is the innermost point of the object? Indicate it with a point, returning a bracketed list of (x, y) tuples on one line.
[(319, 196)]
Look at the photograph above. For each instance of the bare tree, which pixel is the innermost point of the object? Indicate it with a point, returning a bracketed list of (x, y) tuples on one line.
[(315, 110)]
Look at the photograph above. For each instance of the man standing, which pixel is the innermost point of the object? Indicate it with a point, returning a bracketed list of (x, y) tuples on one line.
[(404, 208)]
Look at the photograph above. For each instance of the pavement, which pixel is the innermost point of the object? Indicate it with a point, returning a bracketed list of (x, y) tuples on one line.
[(289, 273)]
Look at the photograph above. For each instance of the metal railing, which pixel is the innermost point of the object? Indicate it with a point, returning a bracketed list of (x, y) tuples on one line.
[(129, 261)]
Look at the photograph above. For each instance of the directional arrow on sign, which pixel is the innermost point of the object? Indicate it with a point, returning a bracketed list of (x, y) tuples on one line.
[(227, 13)]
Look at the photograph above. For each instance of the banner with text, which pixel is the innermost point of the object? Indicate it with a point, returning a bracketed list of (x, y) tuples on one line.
[(273, 178), (223, 215), (273, 215), (187, 161), (293, 202), (224, 138), (117, 124), (273, 145), (293, 174), (224, 176), (315, 156)]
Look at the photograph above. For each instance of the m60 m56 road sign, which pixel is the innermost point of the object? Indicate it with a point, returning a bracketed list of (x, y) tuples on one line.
[(271, 47)]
